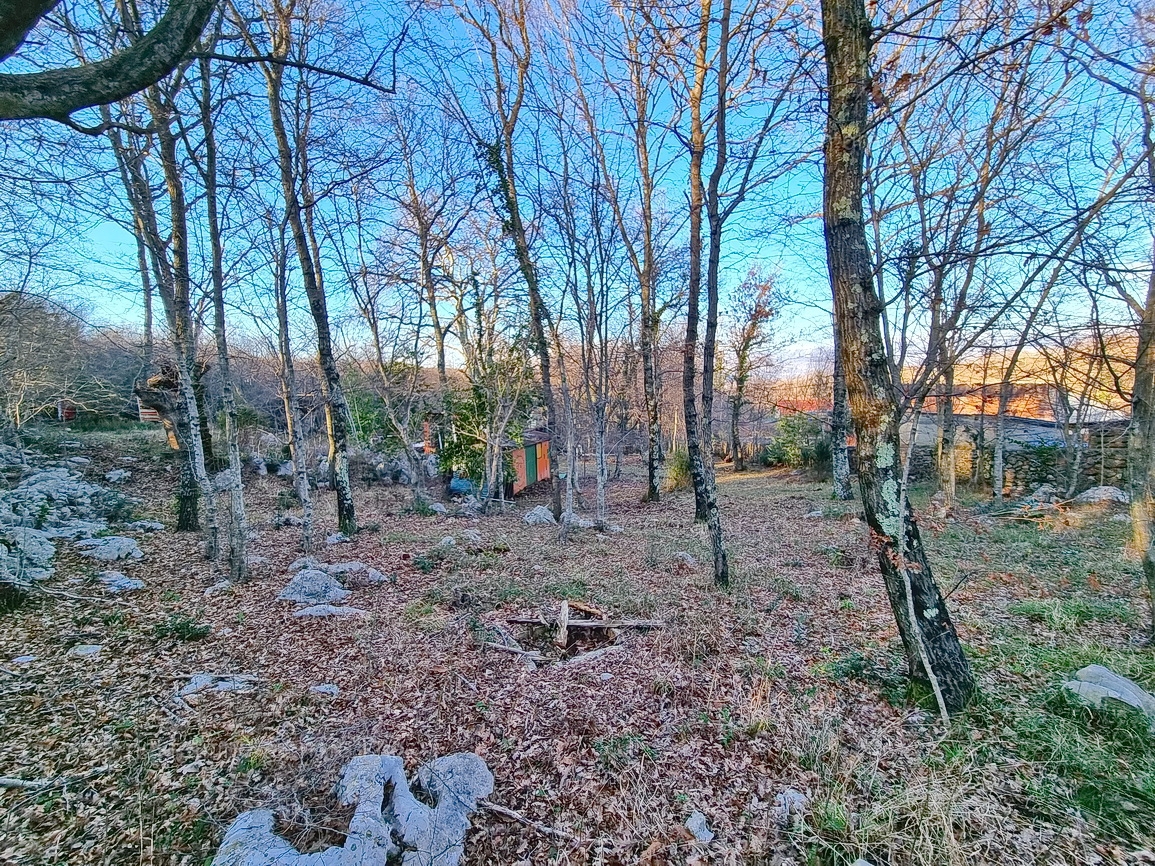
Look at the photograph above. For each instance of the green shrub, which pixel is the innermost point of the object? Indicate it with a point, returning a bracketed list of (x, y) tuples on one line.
[(678, 471), (182, 627), (800, 442)]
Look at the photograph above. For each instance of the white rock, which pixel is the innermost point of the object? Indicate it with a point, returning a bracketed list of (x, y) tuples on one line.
[(438, 508), (329, 610), (1105, 493), (218, 683), (447, 541), (1096, 684), (338, 538), (87, 649), (813, 515), (312, 586), (471, 536), (218, 587), (697, 825), (79, 461), (339, 568), (116, 476), (389, 823), (23, 660), (329, 689), (305, 562), (110, 549), (146, 526), (540, 516), (117, 581), (789, 805)]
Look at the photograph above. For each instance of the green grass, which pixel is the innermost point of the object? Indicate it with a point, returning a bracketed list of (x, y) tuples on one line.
[(181, 627), (1063, 613)]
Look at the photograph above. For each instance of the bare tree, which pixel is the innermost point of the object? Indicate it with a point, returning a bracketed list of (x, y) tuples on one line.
[(932, 645), (281, 19)]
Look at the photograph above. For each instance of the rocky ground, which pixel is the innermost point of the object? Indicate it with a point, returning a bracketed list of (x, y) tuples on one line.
[(141, 712)]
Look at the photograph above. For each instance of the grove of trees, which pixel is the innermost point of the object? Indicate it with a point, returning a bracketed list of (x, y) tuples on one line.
[(516, 212)]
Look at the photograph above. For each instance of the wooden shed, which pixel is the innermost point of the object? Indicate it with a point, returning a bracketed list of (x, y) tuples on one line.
[(530, 460)]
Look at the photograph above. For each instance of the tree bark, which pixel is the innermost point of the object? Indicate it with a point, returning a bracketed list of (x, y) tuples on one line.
[(298, 451), (56, 93), (239, 525), (1141, 447), (697, 145), (932, 646), (179, 309), (840, 430)]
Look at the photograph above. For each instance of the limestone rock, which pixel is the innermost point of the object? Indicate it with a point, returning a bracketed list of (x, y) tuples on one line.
[(340, 568), (117, 476), (301, 563), (576, 522), (146, 526), (79, 461), (1096, 684), (697, 825), (204, 682), (685, 560), (789, 805), (1100, 495), (24, 660), (31, 552), (84, 650), (110, 549), (313, 586), (438, 508), (471, 536), (328, 689), (76, 529), (329, 610), (338, 538), (218, 587), (813, 515), (540, 516), (447, 541), (116, 581), (1043, 494), (389, 823)]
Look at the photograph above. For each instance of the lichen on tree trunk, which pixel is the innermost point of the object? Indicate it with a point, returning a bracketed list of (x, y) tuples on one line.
[(921, 613)]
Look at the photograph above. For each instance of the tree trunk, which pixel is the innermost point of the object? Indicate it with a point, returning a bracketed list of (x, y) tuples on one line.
[(697, 144), (298, 451), (932, 645), (735, 434), (600, 456), (998, 469), (238, 527), (179, 310), (337, 416), (947, 459), (1141, 447), (840, 430)]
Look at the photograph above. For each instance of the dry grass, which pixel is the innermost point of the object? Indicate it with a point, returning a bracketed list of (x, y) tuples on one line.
[(788, 681)]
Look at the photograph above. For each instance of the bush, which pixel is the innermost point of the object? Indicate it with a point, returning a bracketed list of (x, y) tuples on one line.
[(801, 443), (678, 471)]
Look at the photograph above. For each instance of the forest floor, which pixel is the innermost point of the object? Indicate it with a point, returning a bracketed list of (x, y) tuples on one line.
[(791, 680)]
